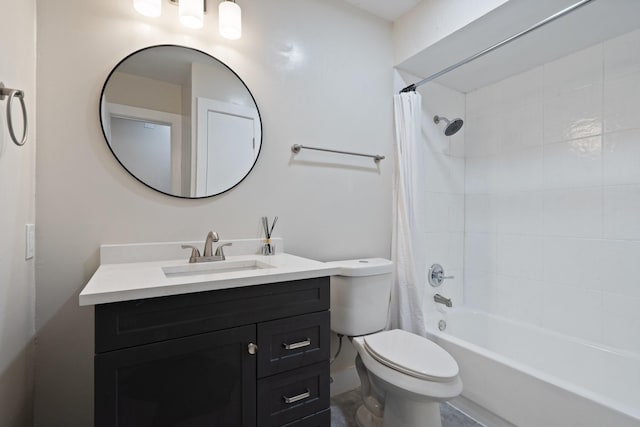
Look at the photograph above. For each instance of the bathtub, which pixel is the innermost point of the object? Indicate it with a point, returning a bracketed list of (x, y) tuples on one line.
[(532, 377)]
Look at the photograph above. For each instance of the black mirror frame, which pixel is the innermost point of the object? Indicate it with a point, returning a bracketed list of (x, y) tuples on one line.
[(104, 86)]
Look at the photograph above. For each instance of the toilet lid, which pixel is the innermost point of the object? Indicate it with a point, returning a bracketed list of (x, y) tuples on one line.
[(411, 354)]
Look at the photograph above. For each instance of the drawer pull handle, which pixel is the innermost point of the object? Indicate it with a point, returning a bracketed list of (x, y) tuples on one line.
[(297, 398), (297, 344)]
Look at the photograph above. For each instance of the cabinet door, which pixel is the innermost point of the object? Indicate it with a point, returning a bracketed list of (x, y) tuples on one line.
[(197, 381)]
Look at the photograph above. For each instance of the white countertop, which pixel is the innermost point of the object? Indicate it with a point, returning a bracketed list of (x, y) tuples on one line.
[(137, 280)]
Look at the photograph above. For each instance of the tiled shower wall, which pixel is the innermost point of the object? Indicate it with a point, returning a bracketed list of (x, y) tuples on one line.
[(552, 195)]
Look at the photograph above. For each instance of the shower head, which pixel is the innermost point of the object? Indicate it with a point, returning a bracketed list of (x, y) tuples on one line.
[(452, 127)]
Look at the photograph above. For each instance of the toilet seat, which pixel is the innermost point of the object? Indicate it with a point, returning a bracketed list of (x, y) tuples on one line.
[(412, 355)]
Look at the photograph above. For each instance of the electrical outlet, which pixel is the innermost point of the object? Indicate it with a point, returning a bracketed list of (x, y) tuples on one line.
[(30, 239)]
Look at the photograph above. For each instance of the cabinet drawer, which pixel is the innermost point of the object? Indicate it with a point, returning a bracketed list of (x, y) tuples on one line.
[(293, 395), (130, 323), (293, 342), (321, 419)]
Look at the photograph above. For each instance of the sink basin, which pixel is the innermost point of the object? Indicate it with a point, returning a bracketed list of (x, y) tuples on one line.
[(214, 267)]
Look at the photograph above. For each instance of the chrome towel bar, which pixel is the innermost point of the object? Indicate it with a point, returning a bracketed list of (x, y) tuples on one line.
[(12, 94), (297, 147)]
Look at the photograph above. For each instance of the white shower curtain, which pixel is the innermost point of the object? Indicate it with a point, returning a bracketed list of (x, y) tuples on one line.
[(408, 294)]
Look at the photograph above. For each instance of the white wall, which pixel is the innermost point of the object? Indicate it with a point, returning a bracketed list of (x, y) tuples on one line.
[(440, 209), (432, 20), (553, 195), (17, 208), (321, 73)]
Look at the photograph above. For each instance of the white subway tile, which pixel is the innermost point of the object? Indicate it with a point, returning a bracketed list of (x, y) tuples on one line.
[(574, 114), (622, 320), (520, 213), (446, 249), (621, 267), (622, 212), (518, 298), (573, 71), (574, 163), (480, 214), (442, 212), (519, 170), (621, 157), (574, 262), (482, 135), (480, 253), (622, 103), (621, 55), (520, 256), (573, 311), (480, 175), (573, 213), (444, 173), (521, 127), (479, 289)]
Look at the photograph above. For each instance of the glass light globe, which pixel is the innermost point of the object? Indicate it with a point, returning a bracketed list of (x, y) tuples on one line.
[(152, 8), (230, 20), (191, 13)]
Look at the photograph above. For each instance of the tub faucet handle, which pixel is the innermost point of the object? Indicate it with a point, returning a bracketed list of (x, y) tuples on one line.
[(436, 275)]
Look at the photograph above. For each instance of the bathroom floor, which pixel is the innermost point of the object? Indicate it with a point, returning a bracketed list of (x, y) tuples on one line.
[(345, 405)]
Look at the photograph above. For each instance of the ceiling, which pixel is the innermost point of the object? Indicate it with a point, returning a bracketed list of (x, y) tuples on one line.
[(387, 9), (598, 21), (594, 23)]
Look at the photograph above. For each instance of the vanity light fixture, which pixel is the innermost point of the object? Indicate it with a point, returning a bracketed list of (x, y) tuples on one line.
[(230, 20), (152, 8), (191, 14)]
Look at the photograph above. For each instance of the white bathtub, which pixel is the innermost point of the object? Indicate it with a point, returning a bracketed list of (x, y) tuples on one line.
[(533, 377)]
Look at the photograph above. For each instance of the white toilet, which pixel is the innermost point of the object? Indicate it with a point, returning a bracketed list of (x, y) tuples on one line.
[(403, 376)]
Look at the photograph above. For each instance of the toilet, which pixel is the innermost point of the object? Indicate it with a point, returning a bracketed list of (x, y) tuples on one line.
[(403, 376)]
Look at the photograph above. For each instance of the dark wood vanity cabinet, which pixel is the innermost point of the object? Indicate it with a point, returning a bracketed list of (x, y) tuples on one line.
[(249, 356)]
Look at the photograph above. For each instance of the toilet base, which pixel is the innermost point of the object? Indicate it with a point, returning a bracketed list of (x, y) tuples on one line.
[(400, 411), (365, 418)]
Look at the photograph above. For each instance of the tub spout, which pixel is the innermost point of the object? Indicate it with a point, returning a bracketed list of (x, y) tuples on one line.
[(442, 300)]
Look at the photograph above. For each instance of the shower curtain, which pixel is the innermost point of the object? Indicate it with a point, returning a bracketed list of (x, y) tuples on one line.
[(407, 294)]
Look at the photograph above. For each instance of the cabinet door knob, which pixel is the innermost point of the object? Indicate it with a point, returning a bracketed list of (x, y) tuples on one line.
[(252, 348)]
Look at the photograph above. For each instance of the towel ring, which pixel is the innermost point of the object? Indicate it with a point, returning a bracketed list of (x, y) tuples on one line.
[(15, 93)]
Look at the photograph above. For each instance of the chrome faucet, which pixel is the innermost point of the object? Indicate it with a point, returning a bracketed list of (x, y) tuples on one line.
[(208, 254), (442, 300), (211, 237)]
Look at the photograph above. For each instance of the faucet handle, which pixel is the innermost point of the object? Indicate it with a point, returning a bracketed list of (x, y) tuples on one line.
[(220, 250), (195, 252)]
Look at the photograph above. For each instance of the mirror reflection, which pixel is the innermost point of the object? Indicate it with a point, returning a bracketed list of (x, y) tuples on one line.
[(180, 121)]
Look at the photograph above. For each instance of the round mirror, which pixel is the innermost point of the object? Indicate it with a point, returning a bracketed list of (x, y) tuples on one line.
[(180, 121)]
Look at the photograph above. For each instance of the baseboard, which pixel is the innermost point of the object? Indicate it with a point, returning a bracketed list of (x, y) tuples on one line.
[(478, 413), (343, 381)]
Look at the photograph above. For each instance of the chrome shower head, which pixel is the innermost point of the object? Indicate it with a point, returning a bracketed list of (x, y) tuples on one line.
[(452, 127)]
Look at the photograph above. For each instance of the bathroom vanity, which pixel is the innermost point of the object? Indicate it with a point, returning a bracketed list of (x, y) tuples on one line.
[(241, 343)]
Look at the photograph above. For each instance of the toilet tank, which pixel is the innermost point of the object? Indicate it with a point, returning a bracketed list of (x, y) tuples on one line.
[(360, 296)]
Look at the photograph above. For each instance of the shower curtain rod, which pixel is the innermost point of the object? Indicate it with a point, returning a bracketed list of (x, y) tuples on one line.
[(412, 88)]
